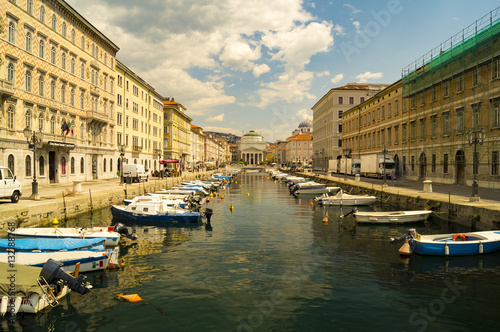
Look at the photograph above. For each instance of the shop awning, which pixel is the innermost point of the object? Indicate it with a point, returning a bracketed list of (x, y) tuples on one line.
[(168, 161)]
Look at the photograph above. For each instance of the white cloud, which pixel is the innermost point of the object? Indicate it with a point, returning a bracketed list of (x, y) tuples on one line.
[(338, 30), (223, 130), (260, 69), (323, 73), (303, 114), (337, 78), (217, 118), (357, 25), (239, 55), (363, 78), (353, 9)]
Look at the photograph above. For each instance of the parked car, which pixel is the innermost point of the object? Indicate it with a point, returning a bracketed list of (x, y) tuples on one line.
[(9, 186)]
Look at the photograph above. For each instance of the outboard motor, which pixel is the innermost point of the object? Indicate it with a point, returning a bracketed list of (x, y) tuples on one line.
[(123, 230), (208, 214), (53, 275)]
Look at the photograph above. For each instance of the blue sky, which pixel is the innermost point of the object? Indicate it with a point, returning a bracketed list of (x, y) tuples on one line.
[(241, 65)]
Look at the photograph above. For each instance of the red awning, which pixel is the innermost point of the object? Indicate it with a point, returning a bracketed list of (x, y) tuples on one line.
[(168, 161)]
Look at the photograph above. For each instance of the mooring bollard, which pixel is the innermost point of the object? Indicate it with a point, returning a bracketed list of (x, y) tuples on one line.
[(428, 186)]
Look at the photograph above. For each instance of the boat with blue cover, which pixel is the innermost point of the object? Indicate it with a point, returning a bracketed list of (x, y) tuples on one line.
[(155, 211), (455, 244)]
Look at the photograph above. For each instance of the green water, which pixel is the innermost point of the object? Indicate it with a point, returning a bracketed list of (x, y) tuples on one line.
[(273, 265)]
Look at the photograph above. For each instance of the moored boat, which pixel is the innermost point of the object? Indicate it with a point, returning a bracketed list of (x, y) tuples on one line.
[(341, 198), (391, 217), (454, 244), (153, 212)]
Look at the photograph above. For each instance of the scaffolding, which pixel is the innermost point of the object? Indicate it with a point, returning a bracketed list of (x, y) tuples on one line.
[(448, 94)]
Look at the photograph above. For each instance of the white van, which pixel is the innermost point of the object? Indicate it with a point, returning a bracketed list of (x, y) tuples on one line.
[(135, 172), (9, 186)]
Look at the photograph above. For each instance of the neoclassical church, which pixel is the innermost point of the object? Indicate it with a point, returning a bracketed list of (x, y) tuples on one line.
[(253, 148)]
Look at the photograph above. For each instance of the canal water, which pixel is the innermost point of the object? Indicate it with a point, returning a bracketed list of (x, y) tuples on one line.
[(273, 265)]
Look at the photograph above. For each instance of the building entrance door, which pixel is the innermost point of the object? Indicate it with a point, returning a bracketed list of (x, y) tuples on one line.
[(460, 167), (423, 166), (52, 166)]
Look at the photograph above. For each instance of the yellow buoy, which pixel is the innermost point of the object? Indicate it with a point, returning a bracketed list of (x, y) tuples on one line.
[(211, 195), (55, 221), (130, 298), (236, 182), (248, 194), (231, 208)]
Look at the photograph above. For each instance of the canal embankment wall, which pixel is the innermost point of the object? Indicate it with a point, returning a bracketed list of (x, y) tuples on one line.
[(63, 202), (478, 215)]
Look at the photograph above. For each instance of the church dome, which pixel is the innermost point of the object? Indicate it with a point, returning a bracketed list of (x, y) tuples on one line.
[(305, 123), (251, 133)]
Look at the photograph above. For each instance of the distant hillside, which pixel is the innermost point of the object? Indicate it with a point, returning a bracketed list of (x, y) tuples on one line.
[(232, 139)]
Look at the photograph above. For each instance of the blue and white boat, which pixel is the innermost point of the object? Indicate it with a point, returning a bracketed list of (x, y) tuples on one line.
[(169, 202), (154, 211), (455, 244), (90, 253)]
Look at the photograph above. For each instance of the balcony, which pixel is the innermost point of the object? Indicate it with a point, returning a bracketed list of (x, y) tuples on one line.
[(137, 148), (98, 117), (6, 88), (95, 90)]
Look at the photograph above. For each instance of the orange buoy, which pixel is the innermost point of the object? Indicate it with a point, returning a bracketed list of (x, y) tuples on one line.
[(459, 236), (130, 298), (311, 202), (405, 249), (221, 196), (325, 219)]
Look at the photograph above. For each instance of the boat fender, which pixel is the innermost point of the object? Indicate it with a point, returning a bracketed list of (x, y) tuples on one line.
[(459, 236), (480, 247), (130, 298), (3, 306)]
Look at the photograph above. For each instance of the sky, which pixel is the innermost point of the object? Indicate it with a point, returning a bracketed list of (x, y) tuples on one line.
[(241, 65)]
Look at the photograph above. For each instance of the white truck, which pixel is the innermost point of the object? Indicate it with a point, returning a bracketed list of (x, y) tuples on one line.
[(374, 165), (350, 166), (9, 186), (134, 173)]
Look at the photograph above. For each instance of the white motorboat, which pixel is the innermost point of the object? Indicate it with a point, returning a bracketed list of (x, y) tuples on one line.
[(392, 217), (341, 198), (110, 233)]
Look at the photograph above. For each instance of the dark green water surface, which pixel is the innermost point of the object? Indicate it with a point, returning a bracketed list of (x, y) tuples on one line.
[(273, 265)]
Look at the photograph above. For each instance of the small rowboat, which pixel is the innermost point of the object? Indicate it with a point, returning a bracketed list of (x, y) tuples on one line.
[(393, 217), (455, 244)]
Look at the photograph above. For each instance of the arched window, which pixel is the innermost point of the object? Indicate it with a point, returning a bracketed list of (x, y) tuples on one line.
[(63, 166), (73, 35), (41, 48), (97, 52), (10, 117), (29, 44), (54, 21), (10, 163), (72, 66), (63, 93), (41, 85), (63, 60), (27, 80), (104, 165), (82, 42), (29, 6), (41, 166), (82, 131), (135, 161), (28, 165), (27, 119), (53, 89), (12, 32), (92, 50), (82, 99), (11, 73), (53, 56), (72, 165), (105, 58), (41, 122), (63, 29), (82, 169), (72, 97), (42, 14), (53, 125)]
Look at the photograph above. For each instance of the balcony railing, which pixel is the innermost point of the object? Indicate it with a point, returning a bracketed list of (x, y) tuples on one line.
[(6, 88), (137, 148), (94, 115)]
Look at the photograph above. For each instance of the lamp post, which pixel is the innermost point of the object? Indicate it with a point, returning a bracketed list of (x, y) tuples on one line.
[(384, 151), (122, 154), (347, 154), (474, 138), (33, 139)]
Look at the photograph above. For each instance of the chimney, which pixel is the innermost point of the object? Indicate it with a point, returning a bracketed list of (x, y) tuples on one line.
[(173, 99)]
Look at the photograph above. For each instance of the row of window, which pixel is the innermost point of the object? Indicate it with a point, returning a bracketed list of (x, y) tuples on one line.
[(494, 163), (12, 26)]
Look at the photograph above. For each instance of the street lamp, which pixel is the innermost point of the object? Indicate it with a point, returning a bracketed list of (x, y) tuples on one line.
[(347, 154), (121, 147), (33, 138), (475, 137), (384, 151)]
